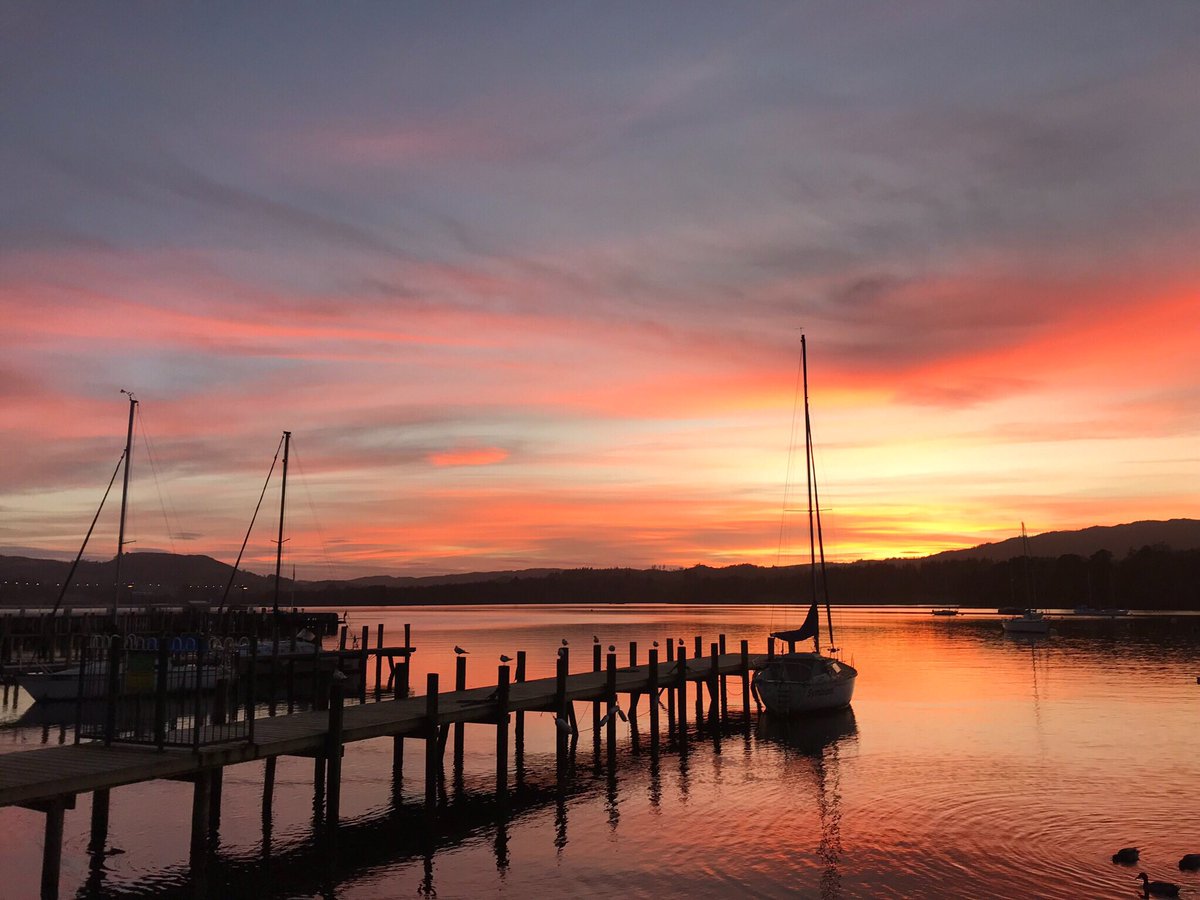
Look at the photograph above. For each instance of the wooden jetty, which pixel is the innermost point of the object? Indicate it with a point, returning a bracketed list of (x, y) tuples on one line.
[(49, 779)]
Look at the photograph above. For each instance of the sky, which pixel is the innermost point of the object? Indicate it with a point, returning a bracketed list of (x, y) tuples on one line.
[(526, 281)]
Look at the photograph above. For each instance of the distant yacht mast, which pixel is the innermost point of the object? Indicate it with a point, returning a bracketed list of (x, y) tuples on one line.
[(287, 439), (124, 502)]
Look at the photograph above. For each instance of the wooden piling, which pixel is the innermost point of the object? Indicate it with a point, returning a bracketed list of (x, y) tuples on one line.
[(460, 684), (610, 691), (502, 732), (681, 664), (201, 800), (713, 679), (268, 795), (746, 678), (52, 850), (214, 801), (378, 662), (652, 685), (699, 647), (433, 759), (333, 753), (99, 833)]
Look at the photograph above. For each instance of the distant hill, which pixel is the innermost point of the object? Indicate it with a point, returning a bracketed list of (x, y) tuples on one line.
[(1119, 540), (166, 576)]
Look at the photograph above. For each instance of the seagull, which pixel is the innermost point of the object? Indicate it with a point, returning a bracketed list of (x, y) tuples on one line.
[(681, 642), (595, 640), (459, 650), (562, 724), (505, 659), (1126, 856), (1190, 862), (564, 642), (1157, 888), (612, 648), (655, 644)]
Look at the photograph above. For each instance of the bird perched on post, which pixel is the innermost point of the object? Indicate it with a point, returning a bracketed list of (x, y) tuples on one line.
[(459, 650), (505, 659), (1157, 888), (654, 644), (595, 639), (612, 648), (564, 642), (1126, 856)]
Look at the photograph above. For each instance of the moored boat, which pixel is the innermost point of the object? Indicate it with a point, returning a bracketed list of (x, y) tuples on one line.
[(799, 682)]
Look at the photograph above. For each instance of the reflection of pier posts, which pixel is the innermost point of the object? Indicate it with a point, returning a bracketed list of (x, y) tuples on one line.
[(433, 759), (201, 805)]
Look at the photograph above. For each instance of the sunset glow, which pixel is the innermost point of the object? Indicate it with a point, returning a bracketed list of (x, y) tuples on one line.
[(523, 308)]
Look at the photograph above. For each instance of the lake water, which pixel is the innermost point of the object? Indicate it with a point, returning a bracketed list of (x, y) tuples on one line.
[(972, 764)]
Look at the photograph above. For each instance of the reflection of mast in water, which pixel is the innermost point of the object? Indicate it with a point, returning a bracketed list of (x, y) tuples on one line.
[(819, 738), (1037, 696)]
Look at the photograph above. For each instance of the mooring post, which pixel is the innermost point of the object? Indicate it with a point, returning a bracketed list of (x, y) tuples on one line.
[(610, 692), (433, 759), (714, 675), (214, 803), (746, 677), (770, 648), (379, 661), (596, 667), (699, 650), (99, 833), (561, 722), (364, 650), (52, 848), (201, 800), (342, 637), (460, 684), (333, 753), (268, 796), (519, 726), (652, 684), (724, 683), (502, 732), (681, 663)]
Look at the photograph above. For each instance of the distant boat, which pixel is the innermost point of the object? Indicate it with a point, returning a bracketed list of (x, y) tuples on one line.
[(795, 683), (1092, 611), (1010, 610), (948, 611), (1028, 621), (1031, 621)]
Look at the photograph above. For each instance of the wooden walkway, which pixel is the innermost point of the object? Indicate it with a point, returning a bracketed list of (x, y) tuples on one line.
[(47, 775)]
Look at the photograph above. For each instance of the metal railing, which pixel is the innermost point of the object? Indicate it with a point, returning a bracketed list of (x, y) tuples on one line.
[(167, 692)]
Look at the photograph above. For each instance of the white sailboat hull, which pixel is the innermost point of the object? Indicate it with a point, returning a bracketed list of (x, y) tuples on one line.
[(799, 683), (1031, 622)]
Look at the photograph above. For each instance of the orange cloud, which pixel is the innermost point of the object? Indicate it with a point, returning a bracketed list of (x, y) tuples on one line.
[(468, 456)]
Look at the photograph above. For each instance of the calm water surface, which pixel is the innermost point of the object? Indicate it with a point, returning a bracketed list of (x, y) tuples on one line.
[(973, 764)]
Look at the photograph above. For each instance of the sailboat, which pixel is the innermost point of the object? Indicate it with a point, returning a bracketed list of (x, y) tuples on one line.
[(1029, 621), (798, 682)]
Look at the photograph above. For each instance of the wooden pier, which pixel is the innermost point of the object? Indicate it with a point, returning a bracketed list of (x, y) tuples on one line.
[(48, 779)]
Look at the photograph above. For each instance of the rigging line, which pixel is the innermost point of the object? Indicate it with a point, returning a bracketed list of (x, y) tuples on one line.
[(312, 511), (87, 537), (246, 540), (162, 505), (787, 479)]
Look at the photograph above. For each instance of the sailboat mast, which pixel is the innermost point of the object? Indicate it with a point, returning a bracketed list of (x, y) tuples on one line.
[(287, 440), (808, 472), (124, 503), (283, 499)]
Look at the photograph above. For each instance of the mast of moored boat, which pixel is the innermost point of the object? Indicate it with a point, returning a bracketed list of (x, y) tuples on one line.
[(287, 440), (808, 472), (124, 501)]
